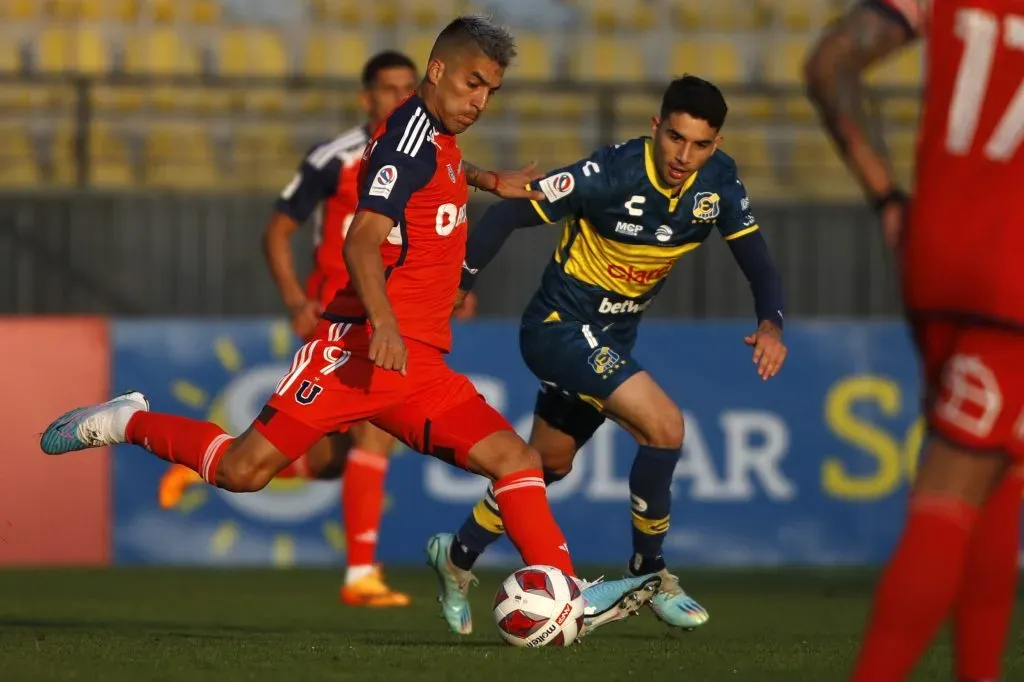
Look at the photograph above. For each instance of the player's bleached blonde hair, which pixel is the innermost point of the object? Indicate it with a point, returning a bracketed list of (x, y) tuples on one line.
[(480, 31)]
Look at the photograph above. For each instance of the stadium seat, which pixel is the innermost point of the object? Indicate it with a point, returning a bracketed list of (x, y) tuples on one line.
[(109, 163), (15, 10), (335, 54), (902, 145), (903, 109), (533, 62), (10, 57), (160, 51), (188, 11), (749, 147), (179, 156), (616, 16), (251, 52), (798, 15), (784, 60), (718, 15), (264, 157), (116, 10), (601, 58), (818, 172), (118, 98), (904, 69), (717, 61), (70, 50), (546, 106), (344, 12), (18, 164), (478, 147), (550, 146)]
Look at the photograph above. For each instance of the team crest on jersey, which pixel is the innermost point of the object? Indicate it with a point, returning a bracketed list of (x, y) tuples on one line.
[(451, 173), (383, 182), (603, 360), (558, 186), (307, 392), (705, 206)]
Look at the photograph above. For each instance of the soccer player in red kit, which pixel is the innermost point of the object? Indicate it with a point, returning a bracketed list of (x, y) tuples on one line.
[(324, 192), (959, 258), (378, 352)]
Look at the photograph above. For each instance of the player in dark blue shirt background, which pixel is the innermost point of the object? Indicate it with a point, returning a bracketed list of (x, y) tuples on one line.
[(630, 211)]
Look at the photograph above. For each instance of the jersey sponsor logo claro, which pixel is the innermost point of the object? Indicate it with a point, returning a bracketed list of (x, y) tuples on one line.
[(622, 307), (636, 275)]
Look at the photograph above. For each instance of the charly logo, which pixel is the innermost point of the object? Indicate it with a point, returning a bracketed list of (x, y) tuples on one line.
[(232, 406)]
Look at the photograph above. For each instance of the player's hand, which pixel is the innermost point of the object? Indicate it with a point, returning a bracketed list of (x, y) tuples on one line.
[(465, 306), (304, 317), (769, 351), (387, 350), (513, 184)]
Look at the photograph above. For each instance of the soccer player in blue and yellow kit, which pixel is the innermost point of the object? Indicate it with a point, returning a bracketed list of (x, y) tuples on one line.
[(630, 211)]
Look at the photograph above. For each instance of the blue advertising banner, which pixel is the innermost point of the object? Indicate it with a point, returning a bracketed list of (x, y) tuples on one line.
[(808, 468)]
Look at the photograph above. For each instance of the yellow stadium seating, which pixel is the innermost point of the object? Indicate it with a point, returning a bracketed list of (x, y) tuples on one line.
[(905, 110), (784, 61), (264, 157), (343, 12), (533, 60), (903, 69), (72, 50), (478, 148), (335, 54), (608, 59), (817, 170), (614, 15), (110, 164), (902, 145), (717, 61), (160, 51), (550, 146), (18, 164), (749, 147), (251, 52), (179, 156), (19, 9), (718, 15)]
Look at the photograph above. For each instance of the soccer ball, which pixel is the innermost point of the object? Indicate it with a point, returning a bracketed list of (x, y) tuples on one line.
[(539, 606)]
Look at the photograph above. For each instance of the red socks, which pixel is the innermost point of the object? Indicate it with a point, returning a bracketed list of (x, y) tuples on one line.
[(523, 503), (917, 589), (189, 442), (984, 608), (362, 501)]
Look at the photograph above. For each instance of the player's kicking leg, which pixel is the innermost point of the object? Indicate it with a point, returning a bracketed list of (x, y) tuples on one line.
[(468, 433), (243, 464)]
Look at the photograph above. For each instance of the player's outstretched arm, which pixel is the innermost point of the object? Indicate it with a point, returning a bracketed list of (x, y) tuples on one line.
[(834, 76), (755, 260), (494, 227), (362, 258), (506, 184)]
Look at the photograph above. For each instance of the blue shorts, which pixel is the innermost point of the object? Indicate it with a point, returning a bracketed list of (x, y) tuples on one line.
[(580, 366)]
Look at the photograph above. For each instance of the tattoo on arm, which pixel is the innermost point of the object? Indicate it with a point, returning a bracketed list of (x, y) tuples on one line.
[(474, 174), (834, 76)]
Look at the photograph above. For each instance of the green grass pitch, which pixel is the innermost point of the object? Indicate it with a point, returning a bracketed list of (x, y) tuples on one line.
[(232, 625)]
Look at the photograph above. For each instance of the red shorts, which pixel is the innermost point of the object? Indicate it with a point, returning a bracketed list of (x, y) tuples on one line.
[(974, 384), (332, 385)]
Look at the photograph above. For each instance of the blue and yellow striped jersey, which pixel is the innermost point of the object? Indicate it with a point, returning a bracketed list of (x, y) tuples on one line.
[(624, 230)]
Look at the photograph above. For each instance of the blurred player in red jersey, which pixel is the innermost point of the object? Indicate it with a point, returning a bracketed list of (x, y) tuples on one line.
[(324, 190), (959, 244), (378, 352)]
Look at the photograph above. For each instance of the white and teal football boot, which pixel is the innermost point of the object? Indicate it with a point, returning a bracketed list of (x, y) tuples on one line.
[(94, 426), (674, 607), (454, 585), (609, 601)]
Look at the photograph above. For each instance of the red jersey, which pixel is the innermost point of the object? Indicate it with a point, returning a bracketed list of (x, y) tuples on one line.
[(965, 239), (325, 190), (411, 172)]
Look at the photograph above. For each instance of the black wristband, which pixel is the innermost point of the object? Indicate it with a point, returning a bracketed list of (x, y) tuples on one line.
[(895, 195)]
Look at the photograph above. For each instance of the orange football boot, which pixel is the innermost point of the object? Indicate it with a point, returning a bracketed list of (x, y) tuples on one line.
[(371, 590), (173, 484)]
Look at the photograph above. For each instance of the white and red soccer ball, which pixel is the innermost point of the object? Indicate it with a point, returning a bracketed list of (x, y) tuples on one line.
[(539, 606)]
